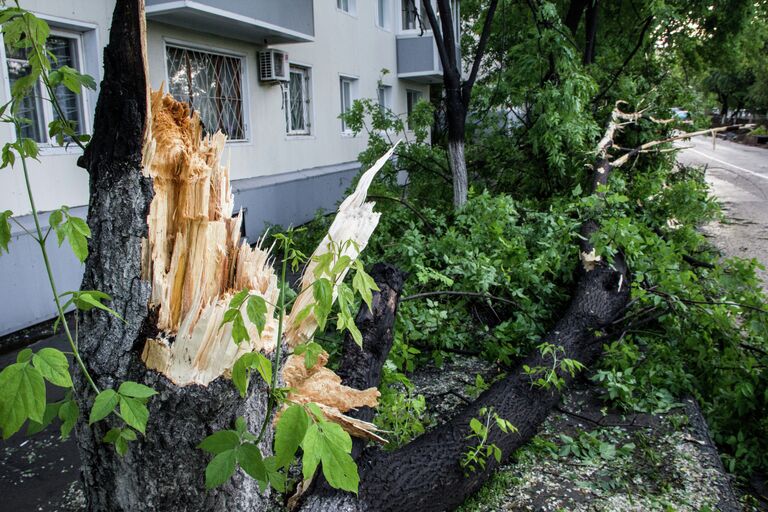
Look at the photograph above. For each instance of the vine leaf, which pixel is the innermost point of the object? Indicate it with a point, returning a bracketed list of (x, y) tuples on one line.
[(23, 397), (53, 365), (103, 405), (220, 469), (5, 230), (289, 432)]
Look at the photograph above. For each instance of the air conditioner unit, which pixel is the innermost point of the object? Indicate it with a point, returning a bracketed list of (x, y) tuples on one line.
[(273, 66)]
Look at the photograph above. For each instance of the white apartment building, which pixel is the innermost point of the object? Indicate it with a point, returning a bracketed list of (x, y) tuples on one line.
[(290, 154)]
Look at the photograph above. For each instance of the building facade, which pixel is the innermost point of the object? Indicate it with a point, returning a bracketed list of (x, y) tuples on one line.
[(274, 75)]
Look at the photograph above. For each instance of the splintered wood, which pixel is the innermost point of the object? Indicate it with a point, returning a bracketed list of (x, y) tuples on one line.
[(196, 262), (193, 256)]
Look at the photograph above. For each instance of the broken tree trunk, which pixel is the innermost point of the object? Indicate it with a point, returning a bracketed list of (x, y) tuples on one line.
[(163, 470), (166, 247)]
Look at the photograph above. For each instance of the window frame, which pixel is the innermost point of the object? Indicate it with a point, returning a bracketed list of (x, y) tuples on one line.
[(306, 71), (387, 96), (45, 114), (386, 22), (351, 9), (409, 106), (226, 52), (352, 81)]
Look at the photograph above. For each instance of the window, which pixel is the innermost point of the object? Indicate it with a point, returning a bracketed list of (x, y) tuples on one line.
[(66, 51), (384, 96), (412, 98), (213, 86), (383, 15), (347, 87), (410, 14), (347, 6), (297, 98)]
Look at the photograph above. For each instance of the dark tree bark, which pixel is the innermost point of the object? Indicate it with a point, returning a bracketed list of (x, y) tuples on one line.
[(573, 16), (590, 32), (426, 474), (164, 470), (361, 368), (457, 92)]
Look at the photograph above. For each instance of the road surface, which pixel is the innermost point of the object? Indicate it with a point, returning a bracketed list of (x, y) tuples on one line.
[(738, 175)]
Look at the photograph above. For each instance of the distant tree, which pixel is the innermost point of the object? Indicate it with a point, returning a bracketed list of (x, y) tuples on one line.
[(458, 92)]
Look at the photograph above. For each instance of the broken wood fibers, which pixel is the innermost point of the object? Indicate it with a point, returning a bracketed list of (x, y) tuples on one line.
[(196, 262)]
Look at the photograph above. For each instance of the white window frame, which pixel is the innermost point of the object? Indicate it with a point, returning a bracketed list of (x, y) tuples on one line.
[(226, 52), (386, 22), (384, 91), (48, 146), (415, 30), (353, 83), (409, 106), (351, 7), (306, 73)]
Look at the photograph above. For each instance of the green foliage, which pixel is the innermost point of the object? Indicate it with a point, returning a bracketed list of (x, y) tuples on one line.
[(5, 230), (241, 370), (401, 411), (476, 456)]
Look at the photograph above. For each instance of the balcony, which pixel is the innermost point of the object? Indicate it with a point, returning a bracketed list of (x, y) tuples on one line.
[(418, 60), (255, 21)]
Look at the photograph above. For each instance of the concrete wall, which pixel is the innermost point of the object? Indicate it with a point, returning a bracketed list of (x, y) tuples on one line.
[(277, 178)]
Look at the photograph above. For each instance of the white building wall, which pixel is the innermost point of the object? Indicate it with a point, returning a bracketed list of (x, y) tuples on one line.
[(351, 45)]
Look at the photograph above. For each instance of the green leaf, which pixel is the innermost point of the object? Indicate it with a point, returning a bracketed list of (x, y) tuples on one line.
[(103, 405), (289, 433), (304, 313), (311, 353), (338, 466), (257, 312), (250, 459), (312, 446), (276, 478), (134, 413), (220, 441), (476, 426), (23, 397), (220, 469), (5, 230), (51, 411), (121, 446), (322, 291), (238, 299), (328, 443), (53, 365), (364, 285), (323, 264), (239, 332), (24, 355), (135, 390), (69, 412), (112, 435), (80, 226), (29, 147), (250, 361)]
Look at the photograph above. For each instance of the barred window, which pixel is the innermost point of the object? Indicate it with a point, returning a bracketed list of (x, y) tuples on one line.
[(212, 84), (297, 98), (65, 51)]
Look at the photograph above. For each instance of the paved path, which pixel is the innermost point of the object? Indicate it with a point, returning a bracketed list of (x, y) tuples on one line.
[(739, 178)]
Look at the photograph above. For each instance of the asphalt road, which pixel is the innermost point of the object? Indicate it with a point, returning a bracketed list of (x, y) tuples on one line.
[(738, 175)]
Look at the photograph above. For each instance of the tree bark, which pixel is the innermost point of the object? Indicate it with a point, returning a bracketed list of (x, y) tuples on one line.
[(162, 470), (590, 32), (426, 474)]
